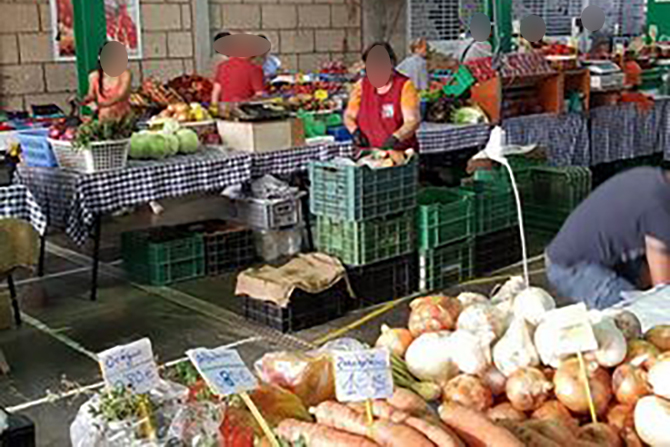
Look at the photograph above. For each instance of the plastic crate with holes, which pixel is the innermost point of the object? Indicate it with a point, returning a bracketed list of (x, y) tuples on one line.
[(445, 266), (264, 214), (163, 256), (98, 156), (365, 242), (552, 193), (303, 311), (495, 207), (227, 246), (349, 192), (444, 215), (496, 250), (385, 280)]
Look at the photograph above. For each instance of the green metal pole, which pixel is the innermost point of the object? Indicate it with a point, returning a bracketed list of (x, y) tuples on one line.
[(658, 13), (90, 32), (500, 11)]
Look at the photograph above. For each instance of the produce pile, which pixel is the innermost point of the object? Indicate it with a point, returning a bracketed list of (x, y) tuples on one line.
[(192, 88), (503, 384), (152, 93), (92, 131), (490, 364), (171, 140), (183, 113)]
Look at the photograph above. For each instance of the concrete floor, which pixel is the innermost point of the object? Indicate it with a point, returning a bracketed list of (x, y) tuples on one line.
[(54, 350)]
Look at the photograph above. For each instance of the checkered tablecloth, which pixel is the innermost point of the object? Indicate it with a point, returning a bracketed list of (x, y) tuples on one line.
[(73, 200), (288, 161), (17, 202), (626, 131), (566, 137), (440, 138)]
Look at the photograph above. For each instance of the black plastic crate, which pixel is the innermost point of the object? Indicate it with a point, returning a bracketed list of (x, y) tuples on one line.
[(227, 246), (20, 433), (385, 280), (304, 310), (497, 250)]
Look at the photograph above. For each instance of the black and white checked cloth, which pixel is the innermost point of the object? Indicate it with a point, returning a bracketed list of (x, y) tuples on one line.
[(17, 202), (437, 138), (286, 162), (566, 137), (74, 199), (627, 131)]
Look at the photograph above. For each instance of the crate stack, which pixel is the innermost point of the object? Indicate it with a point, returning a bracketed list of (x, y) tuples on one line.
[(366, 218), (445, 223)]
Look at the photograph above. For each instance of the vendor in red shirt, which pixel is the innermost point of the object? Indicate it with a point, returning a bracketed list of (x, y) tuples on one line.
[(384, 107), (237, 80)]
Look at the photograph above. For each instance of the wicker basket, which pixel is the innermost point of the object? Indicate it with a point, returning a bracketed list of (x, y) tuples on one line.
[(97, 157)]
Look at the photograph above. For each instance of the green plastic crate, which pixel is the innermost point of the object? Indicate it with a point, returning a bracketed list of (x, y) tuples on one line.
[(495, 207), (552, 194), (444, 215), (364, 242), (163, 256), (459, 83), (442, 267), (347, 192)]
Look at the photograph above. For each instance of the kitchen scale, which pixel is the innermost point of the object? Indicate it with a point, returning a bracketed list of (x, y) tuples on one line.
[(605, 75)]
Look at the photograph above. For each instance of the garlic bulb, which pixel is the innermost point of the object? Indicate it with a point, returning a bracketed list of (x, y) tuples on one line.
[(484, 321), (469, 354), (532, 303)]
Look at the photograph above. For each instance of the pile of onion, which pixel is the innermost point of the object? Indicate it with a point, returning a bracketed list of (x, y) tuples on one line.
[(527, 389), (494, 380), (641, 353), (468, 391), (621, 416), (659, 336), (554, 410), (570, 388), (629, 384), (396, 340)]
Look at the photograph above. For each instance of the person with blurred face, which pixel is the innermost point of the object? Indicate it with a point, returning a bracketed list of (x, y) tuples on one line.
[(271, 63), (110, 83), (237, 80), (383, 110), (415, 66)]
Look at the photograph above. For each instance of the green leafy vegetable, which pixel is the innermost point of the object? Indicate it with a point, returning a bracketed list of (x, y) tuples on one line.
[(188, 141)]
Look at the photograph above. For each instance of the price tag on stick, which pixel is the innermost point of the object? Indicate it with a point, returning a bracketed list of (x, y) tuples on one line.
[(363, 375), (574, 335), (225, 373), (130, 366)]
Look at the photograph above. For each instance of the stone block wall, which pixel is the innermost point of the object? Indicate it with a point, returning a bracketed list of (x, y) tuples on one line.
[(30, 75), (303, 33)]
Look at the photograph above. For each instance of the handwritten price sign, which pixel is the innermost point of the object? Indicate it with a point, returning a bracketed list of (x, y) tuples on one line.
[(573, 329), (223, 370), (130, 366), (363, 375)]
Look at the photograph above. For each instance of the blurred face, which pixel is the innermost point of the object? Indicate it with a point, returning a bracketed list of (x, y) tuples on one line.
[(378, 66), (114, 59), (242, 45)]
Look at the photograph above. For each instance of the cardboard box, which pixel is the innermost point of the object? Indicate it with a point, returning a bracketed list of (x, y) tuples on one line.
[(261, 136)]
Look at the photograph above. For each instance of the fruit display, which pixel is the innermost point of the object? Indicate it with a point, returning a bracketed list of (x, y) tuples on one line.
[(183, 113), (160, 94), (93, 131), (192, 88), (333, 67), (441, 111), (308, 102)]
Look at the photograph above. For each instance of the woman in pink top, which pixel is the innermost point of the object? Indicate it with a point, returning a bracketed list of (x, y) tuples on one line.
[(111, 94)]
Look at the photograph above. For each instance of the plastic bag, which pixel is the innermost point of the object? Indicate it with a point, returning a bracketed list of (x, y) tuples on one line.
[(90, 429), (308, 375), (197, 424), (277, 404)]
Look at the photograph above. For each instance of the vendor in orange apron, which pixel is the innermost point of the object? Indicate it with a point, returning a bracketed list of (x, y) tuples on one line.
[(384, 107)]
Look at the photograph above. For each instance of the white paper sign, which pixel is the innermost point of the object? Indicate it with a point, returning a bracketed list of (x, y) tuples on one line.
[(362, 375), (223, 370), (573, 329), (130, 366)]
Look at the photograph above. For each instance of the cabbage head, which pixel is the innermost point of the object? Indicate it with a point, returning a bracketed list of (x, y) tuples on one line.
[(138, 145), (157, 146), (172, 144), (188, 141)]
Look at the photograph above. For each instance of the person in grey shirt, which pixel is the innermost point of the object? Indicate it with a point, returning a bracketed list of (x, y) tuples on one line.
[(617, 240), (415, 66)]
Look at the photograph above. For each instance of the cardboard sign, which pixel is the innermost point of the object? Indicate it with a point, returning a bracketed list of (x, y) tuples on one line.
[(223, 370), (130, 366), (573, 329), (363, 375)]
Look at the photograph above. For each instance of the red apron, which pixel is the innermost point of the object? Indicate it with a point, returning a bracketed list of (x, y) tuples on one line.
[(381, 115)]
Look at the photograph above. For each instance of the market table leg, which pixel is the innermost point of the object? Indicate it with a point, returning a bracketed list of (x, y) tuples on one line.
[(40, 265), (96, 256), (15, 299)]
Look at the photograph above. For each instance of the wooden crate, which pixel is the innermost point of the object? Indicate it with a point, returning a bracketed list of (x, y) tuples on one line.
[(264, 136)]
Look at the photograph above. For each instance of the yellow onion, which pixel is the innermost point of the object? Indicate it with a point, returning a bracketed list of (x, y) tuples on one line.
[(629, 384), (396, 340)]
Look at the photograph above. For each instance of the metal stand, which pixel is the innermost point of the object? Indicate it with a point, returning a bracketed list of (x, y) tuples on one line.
[(40, 265), (96, 257), (15, 299)]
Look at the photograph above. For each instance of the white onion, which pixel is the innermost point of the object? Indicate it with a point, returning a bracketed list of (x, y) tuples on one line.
[(532, 304), (429, 357), (659, 377), (652, 421)]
